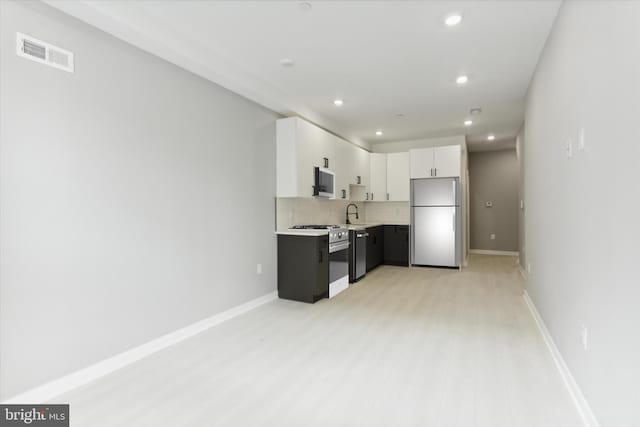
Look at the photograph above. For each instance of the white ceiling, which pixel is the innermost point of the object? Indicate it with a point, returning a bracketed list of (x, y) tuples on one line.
[(382, 57)]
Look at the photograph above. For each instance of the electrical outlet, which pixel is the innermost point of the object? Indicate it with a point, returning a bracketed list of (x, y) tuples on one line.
[(585, 338), (259, 269), (492, 236)]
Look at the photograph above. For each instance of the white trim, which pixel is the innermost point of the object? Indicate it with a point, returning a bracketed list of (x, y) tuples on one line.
[(522, 272), (587, 415), (62, 385), (489, 252)]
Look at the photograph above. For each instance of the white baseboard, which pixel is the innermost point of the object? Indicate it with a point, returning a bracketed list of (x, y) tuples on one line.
[(581, 403), (55, 388), (522, 272), (489, 252)]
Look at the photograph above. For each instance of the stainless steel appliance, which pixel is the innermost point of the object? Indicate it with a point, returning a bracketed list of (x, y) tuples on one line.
[(324, 184), (338, 256), (436, 238), (358, 249)]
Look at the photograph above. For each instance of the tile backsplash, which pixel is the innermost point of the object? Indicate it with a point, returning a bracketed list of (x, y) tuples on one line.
[(294, 211), (388, 212)]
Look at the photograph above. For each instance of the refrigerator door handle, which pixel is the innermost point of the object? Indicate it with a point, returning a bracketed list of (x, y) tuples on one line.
[(453, 225)]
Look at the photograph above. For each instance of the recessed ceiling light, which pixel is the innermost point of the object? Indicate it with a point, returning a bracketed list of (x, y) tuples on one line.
[(453, 19), (379, 133), (287, 62), (338, 102), (304, 6), (462, 80), (491, 137), (468, 122)]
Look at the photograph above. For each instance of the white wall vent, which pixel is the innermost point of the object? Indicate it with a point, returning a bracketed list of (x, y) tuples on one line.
[(44, 53)]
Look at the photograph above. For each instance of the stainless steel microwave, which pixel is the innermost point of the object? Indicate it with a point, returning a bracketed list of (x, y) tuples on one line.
[(324, 184)]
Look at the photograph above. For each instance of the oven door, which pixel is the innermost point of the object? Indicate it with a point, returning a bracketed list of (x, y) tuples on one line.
[(338, 268)]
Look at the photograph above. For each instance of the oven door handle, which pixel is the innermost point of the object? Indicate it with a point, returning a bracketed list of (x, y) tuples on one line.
[(335, 247)]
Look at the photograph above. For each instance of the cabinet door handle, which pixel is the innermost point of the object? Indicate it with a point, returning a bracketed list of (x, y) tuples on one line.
[(371, 196), (326, 162), (367, 194), (435, 171), (344, 194), (387, 196), (358, 179), (320, 258)]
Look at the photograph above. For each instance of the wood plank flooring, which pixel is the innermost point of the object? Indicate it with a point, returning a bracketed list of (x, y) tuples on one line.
[(403, 347)]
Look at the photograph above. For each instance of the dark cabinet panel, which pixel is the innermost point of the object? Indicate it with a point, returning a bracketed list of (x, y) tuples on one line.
[(303, 267), (375, 247), (396, 245)]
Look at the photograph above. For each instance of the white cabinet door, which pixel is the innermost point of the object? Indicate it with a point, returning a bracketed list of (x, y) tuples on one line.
[(378, 177), (344, 167), (324, 153), (305, 135), (398, 177), (421, 163), (363, 167), (446, 161)]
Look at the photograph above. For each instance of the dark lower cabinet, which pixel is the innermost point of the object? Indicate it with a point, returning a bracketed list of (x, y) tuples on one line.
[(303, 267), (396, 245), (375, 247)]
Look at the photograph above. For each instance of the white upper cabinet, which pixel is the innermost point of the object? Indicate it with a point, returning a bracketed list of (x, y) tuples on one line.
[(294, 158), (436, 162), (398, 182), (378, 177), (446, 161), (362, 167), (324, 149), (301, 146), (421, 163), (343, 166)]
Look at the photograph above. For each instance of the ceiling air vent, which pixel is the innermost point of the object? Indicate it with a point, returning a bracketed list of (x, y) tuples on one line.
[(44, 53)]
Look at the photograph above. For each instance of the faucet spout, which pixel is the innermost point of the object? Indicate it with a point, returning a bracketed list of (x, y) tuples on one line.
[(351, 213)]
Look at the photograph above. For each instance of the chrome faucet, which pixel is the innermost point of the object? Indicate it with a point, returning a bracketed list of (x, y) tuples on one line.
[(356, 213)]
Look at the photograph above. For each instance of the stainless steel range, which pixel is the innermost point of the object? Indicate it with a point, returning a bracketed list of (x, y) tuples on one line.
[(338, 256)]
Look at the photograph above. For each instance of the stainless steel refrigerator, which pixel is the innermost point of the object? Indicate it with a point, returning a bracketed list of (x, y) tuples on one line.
[(436, 231)]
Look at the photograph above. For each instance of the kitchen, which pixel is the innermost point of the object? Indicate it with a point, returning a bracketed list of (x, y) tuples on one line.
[(407, 208)]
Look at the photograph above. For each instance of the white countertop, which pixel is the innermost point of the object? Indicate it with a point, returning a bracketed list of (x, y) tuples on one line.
[(303, 232), (325, 232)]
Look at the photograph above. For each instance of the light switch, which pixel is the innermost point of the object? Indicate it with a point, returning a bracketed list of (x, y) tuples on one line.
[(581, 142)]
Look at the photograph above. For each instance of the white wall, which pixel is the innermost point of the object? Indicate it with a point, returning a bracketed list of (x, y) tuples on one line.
[(135, 199), (583, 213), (493, 177)]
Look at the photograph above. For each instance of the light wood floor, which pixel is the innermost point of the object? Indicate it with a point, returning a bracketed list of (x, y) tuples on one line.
[(403, 347)]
